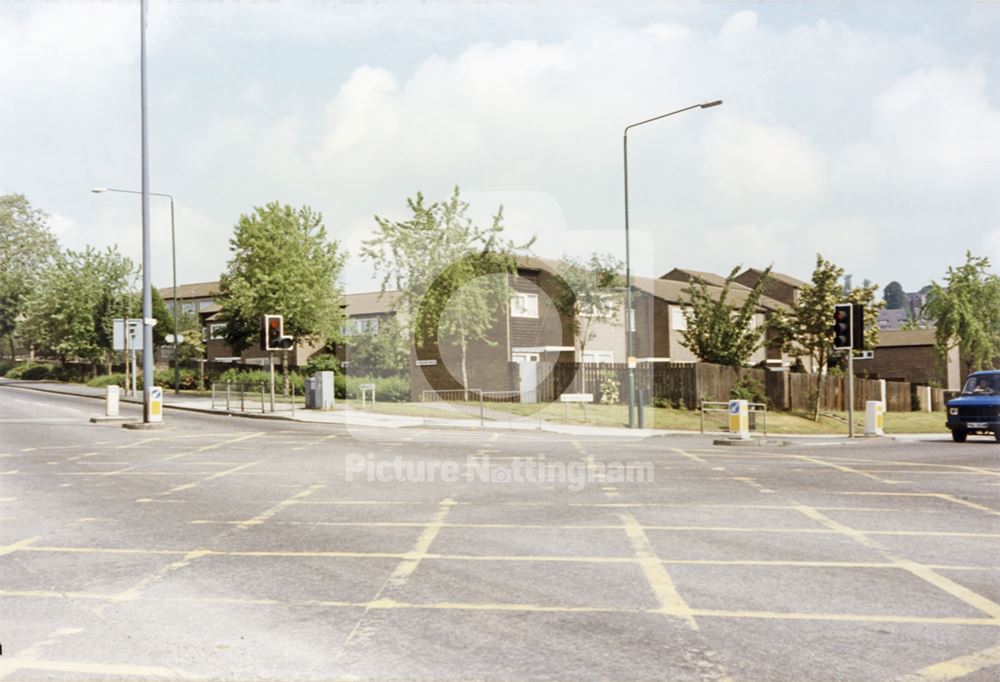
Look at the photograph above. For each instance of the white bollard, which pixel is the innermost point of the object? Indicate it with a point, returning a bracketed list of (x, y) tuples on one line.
[(739, 419), (874, 418), (155, 404), (111, 399)]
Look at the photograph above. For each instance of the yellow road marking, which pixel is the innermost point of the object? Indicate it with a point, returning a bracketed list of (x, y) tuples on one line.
[(19, 545), (268, 513), (206, 448), (939, 496), (136, 590), (366, 627), (671, 602), (28, 663), (957, 667), (206, 479), (921, 571)]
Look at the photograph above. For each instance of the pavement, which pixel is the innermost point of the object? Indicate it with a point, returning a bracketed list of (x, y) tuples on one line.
[(224, 548)]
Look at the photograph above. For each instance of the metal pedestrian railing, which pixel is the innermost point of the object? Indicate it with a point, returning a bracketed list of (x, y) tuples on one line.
[(234, 396), (710, 407)]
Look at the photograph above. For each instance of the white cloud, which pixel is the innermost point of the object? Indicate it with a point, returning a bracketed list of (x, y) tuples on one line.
[(865, 145)]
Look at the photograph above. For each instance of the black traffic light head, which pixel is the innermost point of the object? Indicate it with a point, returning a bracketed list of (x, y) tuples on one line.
[(273, 337), (842, 323), (857, 326)]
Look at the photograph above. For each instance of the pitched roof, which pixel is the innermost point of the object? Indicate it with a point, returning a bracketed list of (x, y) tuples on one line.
[(906, 337), (710, 278), (370, 303), (776, 276), (674, 291), (197, 290)]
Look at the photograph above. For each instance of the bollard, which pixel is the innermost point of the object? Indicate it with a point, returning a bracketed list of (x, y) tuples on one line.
[(228, 395), (739, 420), (262, 399), (243, 393), (111, 401)]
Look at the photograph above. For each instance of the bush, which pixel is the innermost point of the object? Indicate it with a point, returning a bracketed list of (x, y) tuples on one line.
[(116, 379), (5, 366), (257, 377), (387, 389), (749, 389), (165, 378), (32, 371), (322, 363)]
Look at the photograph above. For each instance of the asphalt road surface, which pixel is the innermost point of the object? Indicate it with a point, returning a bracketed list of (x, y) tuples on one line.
[(228, 548)]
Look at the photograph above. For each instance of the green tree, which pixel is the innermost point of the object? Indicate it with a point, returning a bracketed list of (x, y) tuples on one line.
[(894, 296), (806, 330), (452, 274), (966, 312), (384, 348), (70, 311), (27, 247), (591, 293), (283, 264), (192, 347), (720, 331)]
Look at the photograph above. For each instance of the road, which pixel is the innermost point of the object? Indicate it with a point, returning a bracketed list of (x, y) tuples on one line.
[(228, 548)]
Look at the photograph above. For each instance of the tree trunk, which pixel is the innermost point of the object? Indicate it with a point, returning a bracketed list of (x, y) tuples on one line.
[(816, 396), (13, 357), (465, 369), (285, 382)]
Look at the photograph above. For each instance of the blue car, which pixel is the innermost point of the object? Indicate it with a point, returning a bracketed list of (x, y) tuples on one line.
[(977, 410)]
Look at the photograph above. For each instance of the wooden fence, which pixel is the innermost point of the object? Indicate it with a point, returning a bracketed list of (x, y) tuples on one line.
[(688, 383)]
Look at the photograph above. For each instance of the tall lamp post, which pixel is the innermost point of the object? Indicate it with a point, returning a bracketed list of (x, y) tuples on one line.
[(628, 264), (173, 254)]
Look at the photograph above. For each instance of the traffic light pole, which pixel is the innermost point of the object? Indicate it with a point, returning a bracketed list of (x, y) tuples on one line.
[(270, 356), (850, 393)]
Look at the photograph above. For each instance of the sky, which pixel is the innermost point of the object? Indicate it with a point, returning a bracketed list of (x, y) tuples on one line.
[(867, 132)]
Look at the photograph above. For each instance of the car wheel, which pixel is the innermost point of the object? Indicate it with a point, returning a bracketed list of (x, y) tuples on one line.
[(996, 436), (959, 435)]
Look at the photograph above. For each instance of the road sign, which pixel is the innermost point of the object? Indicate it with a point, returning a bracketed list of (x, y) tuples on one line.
[(426, 363), (170, 338), (134, 334)]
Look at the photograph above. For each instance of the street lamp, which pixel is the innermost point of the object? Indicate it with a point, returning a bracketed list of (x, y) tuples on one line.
[(173, 253), (628, 265)]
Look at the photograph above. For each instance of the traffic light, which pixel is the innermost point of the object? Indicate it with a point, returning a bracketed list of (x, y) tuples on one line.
[(273, 337), (848, 326), (857, 326), (842, 322)]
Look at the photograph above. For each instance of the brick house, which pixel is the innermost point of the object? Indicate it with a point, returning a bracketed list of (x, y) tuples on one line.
[(910, 355)]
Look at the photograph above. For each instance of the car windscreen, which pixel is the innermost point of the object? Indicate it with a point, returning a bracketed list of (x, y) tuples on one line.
[(982, 385)]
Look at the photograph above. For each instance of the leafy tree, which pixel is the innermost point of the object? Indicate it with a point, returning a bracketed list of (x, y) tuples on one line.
[(70, 312), (719, 331), (385, 348), (27, 247), (591, 293), (282, 263), (894, 296), (806, 330), (192, 347), (452, 274), (966, 312)]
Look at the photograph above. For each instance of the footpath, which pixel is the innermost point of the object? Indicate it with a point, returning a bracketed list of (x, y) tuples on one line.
[(343, 415)]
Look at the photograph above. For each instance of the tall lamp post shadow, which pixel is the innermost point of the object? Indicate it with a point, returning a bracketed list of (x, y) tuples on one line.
[(629, 313), (173, 255)]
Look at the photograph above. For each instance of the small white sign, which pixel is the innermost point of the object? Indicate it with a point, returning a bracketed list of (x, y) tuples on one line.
[(134, 334), (367, 387), (426, 363), (577, 398), (170, 338)]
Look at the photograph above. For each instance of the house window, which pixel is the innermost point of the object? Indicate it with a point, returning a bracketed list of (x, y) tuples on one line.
[(362, 325), (524, 357), (677, 319), (217, 331), (204, 305), (590, 356), (603, 310), (187, 308), (524, 305)]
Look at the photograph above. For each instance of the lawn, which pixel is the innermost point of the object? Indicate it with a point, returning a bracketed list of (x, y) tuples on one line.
[(662, 418)]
